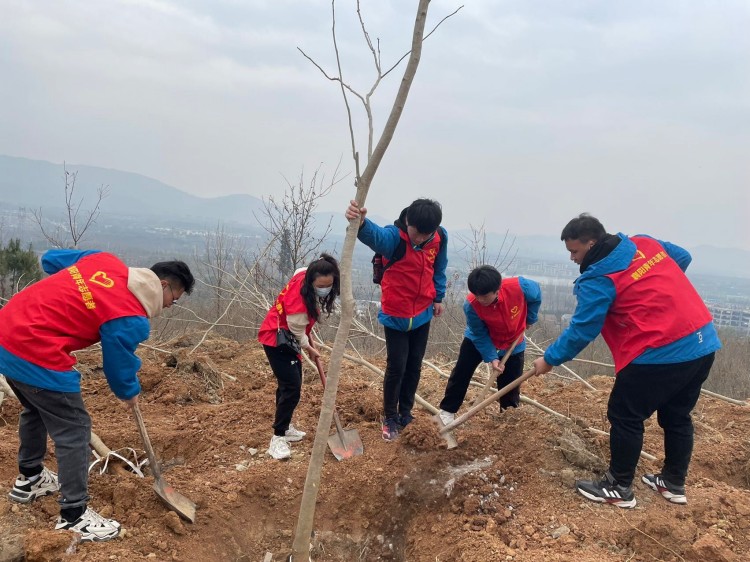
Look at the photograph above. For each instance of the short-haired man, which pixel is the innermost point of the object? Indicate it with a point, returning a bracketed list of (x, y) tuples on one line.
[(413, 288), (633, 290), (497, 313), (89, 297)]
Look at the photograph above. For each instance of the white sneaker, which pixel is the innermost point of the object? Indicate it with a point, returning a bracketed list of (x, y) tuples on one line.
[(25, 490), (279, 448), (294, 434), (91, 526), (446, 417)]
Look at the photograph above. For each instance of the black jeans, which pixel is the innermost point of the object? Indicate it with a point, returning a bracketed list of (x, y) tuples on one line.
[(468, 361), (287, 368), (63, 416), (670, 390), (405, 351)]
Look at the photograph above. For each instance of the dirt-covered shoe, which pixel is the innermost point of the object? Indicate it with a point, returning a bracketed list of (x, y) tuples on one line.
[(607, 490), (390, 429), (446, 417), (671, 492), (28, 489), (294, 434), (403, 421), (91, 526), (279, 448)]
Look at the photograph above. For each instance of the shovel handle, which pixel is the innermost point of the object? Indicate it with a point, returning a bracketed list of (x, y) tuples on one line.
[(503, 361), (487, 401), (155, 469), (321, 372)]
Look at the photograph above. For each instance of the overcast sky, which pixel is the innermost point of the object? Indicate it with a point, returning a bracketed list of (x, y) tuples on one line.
[(522, 114)]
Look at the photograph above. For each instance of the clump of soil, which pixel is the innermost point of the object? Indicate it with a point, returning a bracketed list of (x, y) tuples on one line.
[(506, 493)]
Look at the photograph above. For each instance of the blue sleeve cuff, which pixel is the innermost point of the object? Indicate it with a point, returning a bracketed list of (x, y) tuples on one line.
[(120, 339)]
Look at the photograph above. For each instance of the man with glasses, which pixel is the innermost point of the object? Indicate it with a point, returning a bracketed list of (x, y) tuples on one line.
[(413, 288), (89, 297)]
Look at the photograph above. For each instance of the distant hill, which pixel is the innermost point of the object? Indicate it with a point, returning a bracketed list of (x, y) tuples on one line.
[(36, 183)]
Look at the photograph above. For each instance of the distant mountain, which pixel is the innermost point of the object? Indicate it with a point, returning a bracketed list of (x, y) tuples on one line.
[(36, 183)]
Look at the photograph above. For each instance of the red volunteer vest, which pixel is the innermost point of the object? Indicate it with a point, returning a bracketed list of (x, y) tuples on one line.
[(288, 302), (62, 313), (506, 319), (655, 304), (407, 286)]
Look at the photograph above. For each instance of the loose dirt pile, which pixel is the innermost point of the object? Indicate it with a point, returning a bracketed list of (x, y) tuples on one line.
[(505, 494)]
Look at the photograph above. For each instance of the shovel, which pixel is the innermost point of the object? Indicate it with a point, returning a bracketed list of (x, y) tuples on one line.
[(446, 431), (345, 443), (503, 361), (174, 500)]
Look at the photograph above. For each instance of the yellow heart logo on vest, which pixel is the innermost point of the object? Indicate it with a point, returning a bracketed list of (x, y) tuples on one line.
[(100, 278)]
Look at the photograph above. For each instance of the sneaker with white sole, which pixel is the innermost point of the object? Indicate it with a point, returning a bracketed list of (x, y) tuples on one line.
[(294, 434), (91, 526), (28, 489), (671, 492), (279, 448), (607, 490), (446, 417)]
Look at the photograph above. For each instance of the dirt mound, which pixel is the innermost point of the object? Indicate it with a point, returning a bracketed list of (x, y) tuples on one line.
[(506, 493)]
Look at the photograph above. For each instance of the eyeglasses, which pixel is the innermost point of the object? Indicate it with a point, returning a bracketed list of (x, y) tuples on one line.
[(171, 292)]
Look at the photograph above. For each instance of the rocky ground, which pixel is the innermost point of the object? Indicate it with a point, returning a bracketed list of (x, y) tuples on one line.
[(505, 494)]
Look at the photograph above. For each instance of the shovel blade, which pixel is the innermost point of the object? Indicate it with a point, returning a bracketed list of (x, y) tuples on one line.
[(175, 500), (346, 445), (450, 438)]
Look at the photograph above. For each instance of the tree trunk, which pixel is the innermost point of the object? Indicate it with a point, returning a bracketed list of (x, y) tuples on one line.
[(303, 531)]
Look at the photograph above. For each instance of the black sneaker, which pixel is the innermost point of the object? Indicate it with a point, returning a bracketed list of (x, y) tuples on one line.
[(91, 526), (672, 492), (390, 429), (403, 421), (25, 490), (607, 490)]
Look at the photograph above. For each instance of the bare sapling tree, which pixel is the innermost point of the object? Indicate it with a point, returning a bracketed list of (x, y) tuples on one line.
[(303, 531), (477, 251), (291, 221), (77, 220)]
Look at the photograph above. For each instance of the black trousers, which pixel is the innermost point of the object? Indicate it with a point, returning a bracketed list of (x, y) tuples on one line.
[(405, 351), (287, 368), (670, 390), (468, 361)]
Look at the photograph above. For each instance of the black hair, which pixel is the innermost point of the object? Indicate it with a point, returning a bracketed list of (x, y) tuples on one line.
[(324, 265), (484, 280), (425, 215), (175, 272), (584, 228)]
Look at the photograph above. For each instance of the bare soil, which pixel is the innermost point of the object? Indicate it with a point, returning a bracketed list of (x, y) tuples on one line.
[(505, 494)]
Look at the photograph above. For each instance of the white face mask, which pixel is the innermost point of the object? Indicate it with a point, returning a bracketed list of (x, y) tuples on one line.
[(322, 292)]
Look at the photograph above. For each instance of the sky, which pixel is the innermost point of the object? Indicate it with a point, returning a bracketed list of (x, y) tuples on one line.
[(522, 114)]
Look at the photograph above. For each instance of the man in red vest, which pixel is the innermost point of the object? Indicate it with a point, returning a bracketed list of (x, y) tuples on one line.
[(497, 313), (89, 297), (413, 287), (633, 290)]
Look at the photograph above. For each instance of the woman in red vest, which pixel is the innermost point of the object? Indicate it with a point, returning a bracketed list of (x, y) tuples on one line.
[(285, 334), (633, 290)]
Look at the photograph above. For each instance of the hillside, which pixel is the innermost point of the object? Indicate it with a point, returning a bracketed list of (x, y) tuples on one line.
[(505, 494)]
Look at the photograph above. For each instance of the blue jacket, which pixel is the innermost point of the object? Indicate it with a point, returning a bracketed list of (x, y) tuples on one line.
[(595, 293), (119, 340), (476, 329), (384, 240)]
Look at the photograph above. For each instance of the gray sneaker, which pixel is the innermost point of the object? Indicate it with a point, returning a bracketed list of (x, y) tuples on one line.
[(91, 526), (26, 490), (671, 492)]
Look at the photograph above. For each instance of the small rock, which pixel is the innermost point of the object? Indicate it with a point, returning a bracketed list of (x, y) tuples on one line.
[(252, 452), (173, 523), (151, 555), (240, 467)]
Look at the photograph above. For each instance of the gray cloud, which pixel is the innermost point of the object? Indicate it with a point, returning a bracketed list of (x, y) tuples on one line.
[(522, 114)]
